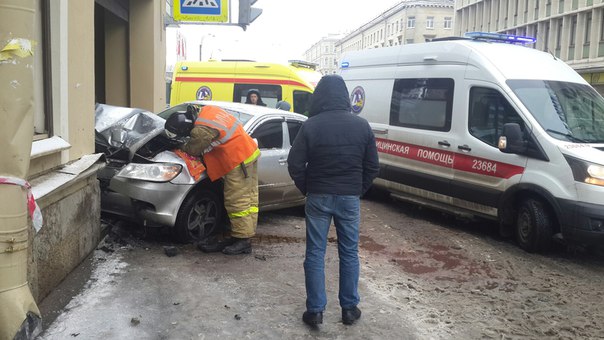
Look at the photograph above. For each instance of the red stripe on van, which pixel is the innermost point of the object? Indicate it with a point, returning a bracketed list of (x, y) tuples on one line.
[(240, 81), (448, 159)]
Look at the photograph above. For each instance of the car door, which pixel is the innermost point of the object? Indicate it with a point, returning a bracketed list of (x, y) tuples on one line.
[(481, 172), (291, 194), (273, 177)]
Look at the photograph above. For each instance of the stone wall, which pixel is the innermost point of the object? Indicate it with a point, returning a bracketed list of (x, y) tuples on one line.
[(71, 232)]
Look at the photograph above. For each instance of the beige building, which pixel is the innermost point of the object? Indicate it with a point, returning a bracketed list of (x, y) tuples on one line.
[(84, 52), (323, 53), (405, 23), (572, 30)]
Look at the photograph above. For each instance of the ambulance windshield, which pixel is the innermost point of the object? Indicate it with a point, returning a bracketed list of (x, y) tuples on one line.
[(567, 111)]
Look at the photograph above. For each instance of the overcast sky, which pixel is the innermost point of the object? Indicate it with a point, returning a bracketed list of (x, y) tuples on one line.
[(284, 31)]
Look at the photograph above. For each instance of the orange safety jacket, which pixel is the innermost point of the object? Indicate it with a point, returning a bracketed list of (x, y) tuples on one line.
[(233, 145), (194, 164)]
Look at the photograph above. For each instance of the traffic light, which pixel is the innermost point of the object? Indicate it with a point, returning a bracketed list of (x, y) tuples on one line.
[(247, 13)]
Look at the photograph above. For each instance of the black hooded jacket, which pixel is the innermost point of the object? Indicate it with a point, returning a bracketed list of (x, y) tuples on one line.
[(334, 152), (249, 101)]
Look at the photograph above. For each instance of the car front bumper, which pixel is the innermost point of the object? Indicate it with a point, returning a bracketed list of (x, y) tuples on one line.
[(150, 203)]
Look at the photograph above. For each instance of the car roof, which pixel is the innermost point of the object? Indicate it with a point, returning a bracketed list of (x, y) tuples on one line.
[(254, 110)]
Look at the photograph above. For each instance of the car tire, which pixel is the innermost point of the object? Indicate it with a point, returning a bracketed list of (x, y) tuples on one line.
[(533, 226), (200, 215)]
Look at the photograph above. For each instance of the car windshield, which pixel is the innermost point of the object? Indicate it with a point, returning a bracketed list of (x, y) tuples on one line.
[(242, 117), (567, 111)]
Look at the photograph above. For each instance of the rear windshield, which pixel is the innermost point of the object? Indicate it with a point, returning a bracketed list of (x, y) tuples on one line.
[(567, 111)]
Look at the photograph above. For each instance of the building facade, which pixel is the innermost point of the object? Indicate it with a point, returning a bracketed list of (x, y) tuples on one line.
[(83, 52), (572, 30), (405, 23), (323, 53)]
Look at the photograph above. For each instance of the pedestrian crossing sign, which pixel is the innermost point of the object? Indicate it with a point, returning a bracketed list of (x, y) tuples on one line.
[(201, 10)]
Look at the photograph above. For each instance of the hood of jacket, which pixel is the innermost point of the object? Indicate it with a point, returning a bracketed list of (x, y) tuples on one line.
[(256, 92), (330, 94)]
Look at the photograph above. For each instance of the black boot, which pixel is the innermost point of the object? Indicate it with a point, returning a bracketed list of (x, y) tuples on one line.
[(312, 319), (240, 246), (349, 316), (213, 244)]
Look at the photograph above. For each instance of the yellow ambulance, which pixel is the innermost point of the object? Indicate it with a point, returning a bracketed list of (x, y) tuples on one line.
[(231, 81)]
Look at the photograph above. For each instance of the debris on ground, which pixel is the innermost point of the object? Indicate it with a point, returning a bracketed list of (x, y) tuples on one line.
[(170, 251), (135, 321)]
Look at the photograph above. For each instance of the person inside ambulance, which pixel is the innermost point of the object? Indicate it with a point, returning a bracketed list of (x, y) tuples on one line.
[(254, 98), (228, 153)]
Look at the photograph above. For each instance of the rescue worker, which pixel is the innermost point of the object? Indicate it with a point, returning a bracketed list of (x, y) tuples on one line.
[(228, 153), (254, 98)]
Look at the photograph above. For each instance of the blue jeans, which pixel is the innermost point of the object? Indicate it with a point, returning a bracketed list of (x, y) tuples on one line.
[(345, 211)]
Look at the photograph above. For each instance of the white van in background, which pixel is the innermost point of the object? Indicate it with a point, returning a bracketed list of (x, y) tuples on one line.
[(476, 126)]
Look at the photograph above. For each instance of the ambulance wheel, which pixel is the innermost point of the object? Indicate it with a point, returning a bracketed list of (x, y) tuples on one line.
[(533, 226), (200, 215)]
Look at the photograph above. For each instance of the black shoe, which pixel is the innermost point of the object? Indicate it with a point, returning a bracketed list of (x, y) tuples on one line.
[(240, 246), (349, 316), (312, 319), (214, 245)]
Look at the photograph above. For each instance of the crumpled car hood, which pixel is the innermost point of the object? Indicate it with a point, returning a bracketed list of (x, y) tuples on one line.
[(126, 128)]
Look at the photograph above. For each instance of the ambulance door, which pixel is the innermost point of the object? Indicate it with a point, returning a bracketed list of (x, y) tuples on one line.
[(272, 164), (415, 153), (481, 172)]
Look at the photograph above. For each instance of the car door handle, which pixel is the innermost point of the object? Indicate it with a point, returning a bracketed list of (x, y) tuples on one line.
[(282, 161), (464, 147), (444, 143), (379, 131)]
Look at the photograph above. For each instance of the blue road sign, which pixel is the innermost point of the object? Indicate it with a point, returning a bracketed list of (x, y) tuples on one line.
[(201, 10)]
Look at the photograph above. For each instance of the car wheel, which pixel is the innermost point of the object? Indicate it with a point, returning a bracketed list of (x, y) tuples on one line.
[(199, 216), (533, 226)]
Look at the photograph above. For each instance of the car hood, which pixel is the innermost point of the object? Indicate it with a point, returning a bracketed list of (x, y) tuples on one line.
[(122, 128)]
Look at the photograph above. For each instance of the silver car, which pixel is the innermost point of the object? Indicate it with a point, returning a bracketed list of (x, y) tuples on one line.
[(145, 181)]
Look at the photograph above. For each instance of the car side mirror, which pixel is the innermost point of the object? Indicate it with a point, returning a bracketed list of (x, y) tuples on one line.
[(512, 139)]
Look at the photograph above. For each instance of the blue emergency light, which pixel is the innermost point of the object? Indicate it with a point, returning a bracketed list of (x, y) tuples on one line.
[(344, 64), (500, 37)]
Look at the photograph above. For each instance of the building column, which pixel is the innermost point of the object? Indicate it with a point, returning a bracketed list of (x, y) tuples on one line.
[(19, 314), (147, 55)]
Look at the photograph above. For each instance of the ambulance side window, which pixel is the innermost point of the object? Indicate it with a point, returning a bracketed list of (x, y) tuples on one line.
[(270, 94), (301, 100), (422, 103), (488, 112), (269, 135)]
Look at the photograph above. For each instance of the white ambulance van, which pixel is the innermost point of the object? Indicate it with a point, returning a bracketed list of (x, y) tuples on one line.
[(476, 126)]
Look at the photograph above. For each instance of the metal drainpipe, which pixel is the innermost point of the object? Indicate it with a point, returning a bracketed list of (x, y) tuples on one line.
[(19, 315)]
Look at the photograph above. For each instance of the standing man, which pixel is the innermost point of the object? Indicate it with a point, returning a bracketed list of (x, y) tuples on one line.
[(333, 161), (229, 153)]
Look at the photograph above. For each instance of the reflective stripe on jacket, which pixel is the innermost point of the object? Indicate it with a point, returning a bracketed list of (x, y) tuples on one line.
[(233, 145)]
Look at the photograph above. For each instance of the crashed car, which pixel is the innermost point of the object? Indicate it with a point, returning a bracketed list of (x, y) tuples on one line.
[(145, 180)]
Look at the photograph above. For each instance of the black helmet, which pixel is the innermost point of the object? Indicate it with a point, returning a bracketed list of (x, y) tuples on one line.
[(179, 124)]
